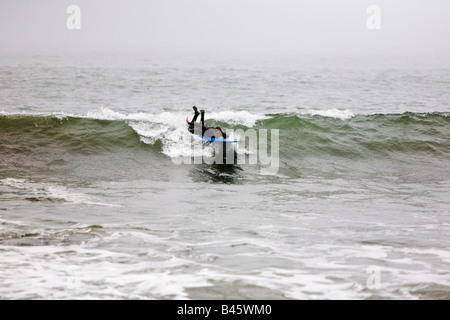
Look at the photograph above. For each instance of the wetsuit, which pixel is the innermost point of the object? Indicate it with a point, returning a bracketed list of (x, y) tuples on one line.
[(217, 132)]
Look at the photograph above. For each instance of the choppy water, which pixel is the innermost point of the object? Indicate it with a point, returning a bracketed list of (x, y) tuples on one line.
[(92, 204)]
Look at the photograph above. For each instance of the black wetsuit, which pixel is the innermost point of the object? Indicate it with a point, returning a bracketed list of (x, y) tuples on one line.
[(217, 131)]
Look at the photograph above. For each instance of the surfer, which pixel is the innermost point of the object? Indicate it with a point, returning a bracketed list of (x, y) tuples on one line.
[(216, 131)]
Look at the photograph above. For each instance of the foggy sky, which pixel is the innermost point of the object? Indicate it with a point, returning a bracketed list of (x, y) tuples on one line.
[(228, 26)]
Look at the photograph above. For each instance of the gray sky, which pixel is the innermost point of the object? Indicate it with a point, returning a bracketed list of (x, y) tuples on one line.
[(228, 26)]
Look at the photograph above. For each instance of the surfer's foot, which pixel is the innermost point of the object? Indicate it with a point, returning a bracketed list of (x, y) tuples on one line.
[(202, 111), (195, 109)]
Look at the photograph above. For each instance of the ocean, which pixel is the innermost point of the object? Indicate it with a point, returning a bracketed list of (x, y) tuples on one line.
[(94, 205)]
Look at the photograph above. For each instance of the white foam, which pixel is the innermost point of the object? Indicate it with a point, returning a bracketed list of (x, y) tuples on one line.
[(158, 267), (332, 113), (176, 139), (48, 191), (170, 127), (237, 117), (173, 118), (88, 274)]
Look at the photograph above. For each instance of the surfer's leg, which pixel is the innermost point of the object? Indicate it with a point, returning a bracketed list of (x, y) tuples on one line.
[(196, 113), (195, 118), (202, 112)]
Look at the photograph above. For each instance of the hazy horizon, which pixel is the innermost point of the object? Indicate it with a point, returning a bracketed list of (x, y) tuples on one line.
[(285, 27)]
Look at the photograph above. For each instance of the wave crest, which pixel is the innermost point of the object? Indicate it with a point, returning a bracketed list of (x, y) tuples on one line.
[(334, 132)]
